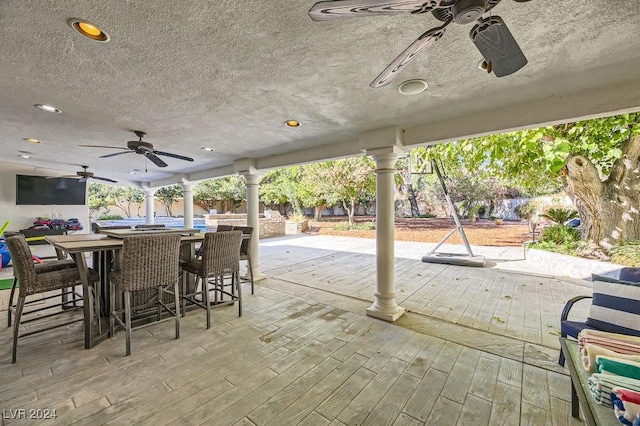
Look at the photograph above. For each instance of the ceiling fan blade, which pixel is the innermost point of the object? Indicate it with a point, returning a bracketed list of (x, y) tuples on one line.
[(103, 146), (494, 40), (168, 154), (155, 160), (338, 9), (105, 179), (115, 153), (425, 41), (63, 176)]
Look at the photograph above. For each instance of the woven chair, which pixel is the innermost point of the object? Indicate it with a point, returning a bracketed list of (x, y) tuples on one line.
[(43, 278), (160, 226), (245, 249), (50, 266), (224, 228), (220, 259), (148, 262)]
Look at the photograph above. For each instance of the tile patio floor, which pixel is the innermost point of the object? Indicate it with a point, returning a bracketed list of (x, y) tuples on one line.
[(478, 346)]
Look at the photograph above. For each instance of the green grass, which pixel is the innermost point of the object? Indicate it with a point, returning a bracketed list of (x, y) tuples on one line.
[(6, 283)]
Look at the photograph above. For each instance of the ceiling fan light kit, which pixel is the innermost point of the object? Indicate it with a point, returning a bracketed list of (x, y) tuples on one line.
[(492, 38)]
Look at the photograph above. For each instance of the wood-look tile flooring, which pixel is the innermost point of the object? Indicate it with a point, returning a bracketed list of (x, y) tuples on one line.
[(303, 353)]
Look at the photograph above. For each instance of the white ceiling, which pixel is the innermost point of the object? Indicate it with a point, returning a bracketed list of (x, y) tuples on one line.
[(226, 74)]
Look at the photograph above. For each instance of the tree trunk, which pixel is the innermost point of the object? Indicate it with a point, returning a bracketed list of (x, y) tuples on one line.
[(318, 212), (351, 207), (413, 200), (609, 210)]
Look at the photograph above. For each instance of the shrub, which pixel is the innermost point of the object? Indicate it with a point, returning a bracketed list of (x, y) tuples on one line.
[(560, 234), (526, 210), (110, 217), (364, 226), (560, 216), (297, 218), (627, 254)]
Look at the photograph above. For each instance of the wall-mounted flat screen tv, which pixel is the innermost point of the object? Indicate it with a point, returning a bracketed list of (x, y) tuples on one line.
[(37, 190)]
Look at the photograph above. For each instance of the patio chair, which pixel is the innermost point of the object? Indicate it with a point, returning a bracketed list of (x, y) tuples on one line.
[(36, 279), (245, 248), (224, 228), (220, 259), (615, 307), (148, 262)]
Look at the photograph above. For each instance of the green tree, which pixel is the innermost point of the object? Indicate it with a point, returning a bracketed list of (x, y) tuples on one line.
[(281, 186), (315, 192), (125, 198), (597, 161), (350, 180), (207, 193), (98, 195), (168, 195)]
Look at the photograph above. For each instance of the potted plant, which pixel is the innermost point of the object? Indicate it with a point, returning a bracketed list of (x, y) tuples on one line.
[(498, 219)]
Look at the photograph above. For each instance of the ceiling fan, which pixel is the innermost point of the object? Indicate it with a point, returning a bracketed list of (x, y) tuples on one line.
[(500, 51), (142, 148), (84, 175)]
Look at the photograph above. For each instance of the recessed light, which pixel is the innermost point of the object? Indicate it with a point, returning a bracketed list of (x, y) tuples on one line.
[(32, 140), (89, 30), (292, 123), (48, 108), (132, 173), (208, 149), (413, 87), (24, 156)]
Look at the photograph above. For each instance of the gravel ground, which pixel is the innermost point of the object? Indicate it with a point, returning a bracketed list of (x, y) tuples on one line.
[(484, 232)]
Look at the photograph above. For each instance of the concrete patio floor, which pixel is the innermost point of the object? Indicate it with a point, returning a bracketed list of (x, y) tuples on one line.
[(477, 346)]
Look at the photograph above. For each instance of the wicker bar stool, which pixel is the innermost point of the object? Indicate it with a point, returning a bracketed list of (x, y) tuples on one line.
[(245, 248), (219, 259), (34, 280), (148, 261)]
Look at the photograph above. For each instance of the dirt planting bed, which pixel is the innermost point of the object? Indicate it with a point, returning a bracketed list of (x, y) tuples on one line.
[(484, 232)]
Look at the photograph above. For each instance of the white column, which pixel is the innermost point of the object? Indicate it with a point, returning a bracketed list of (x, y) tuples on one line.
[(187, 194), (149, 204), (384, 307), (252, 180)]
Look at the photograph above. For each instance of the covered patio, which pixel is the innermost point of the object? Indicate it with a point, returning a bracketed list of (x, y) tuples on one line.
[(304, 352), (214, 82)]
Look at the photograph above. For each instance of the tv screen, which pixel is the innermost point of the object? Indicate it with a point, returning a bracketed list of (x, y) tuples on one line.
[(38, 190)]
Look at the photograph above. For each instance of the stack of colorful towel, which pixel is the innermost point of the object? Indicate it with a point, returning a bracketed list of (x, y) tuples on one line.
[(614, 360)]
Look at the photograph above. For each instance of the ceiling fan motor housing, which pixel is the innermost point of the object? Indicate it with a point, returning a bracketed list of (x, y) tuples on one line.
[(140, 146), (468, 11)]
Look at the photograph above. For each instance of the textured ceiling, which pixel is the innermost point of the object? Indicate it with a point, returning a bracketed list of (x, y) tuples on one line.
[(226, 74)]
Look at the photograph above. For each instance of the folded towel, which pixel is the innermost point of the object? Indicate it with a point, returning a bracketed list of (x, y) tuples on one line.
[(620, 367), (627, 413), (591, 351), (629, 395), (601, 385), (620, 343)]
